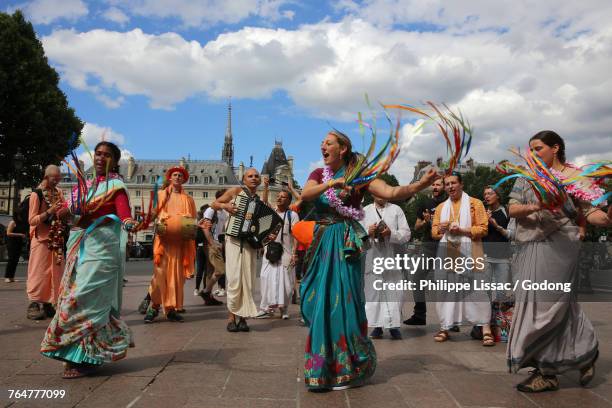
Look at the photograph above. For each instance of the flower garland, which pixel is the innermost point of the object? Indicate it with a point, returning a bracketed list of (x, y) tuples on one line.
[(585, 193), (56, 228), (336, 203)]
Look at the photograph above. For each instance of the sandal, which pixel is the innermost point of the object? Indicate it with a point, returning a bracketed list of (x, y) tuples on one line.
[(587, 374), (71, 372), (488, 340), (441, 336)]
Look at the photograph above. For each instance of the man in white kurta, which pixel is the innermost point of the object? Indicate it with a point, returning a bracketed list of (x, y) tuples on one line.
[(278, 278), (389, 232)]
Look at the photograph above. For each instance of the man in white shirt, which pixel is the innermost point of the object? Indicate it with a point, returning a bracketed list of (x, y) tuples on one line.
[(277, 276), (214, 250), (388, 231)]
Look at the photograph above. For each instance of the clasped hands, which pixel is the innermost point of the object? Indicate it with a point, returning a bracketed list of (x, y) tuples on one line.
[(453, 228)]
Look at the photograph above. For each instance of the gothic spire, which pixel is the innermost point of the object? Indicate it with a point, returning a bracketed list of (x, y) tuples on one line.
[(227, 154)]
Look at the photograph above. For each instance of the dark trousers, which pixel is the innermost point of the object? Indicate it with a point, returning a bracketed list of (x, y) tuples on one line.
[(13, 246), (200, 266), (420, 305), (221, 282)]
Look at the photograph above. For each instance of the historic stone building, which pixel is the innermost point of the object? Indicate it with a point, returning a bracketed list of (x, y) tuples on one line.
[(7, 195), (278, 166), (206, 177), (422, 166)]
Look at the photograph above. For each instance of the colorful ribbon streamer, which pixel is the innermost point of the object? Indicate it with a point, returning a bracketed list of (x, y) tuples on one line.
[(453, 126), (552, 190), (371, 165)]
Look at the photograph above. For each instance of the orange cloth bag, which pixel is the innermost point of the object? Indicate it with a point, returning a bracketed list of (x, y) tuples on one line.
[(303, 232)]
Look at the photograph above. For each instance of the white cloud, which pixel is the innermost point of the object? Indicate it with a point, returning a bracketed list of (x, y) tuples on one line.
[(315, 165), (49, 11), (115, 15), (565, 19), (512, 70), (209, 12), (92, 134)]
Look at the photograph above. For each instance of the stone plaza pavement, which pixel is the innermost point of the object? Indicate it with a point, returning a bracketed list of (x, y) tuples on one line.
[(199, 364)]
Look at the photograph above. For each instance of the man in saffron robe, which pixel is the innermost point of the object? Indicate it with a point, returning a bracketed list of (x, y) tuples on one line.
[(45, 266), (173, 255)]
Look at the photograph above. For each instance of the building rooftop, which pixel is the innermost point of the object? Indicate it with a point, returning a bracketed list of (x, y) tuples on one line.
[(277, 158)]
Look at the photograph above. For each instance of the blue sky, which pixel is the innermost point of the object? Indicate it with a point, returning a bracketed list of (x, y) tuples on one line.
[(156, 75)]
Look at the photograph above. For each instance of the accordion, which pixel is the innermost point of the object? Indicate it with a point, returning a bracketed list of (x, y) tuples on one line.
[(253, 221)]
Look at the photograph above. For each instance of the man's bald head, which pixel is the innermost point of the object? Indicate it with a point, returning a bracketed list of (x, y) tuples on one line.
[(52, 175), (251, 179), (249, 171)]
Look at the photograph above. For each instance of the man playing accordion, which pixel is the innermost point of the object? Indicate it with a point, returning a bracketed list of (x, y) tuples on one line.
[(240, 258)]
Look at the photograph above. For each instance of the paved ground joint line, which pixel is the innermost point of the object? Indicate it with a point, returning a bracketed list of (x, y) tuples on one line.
[(135, 400), (225, 383), (92, 391), (452, 397), (297, 388)]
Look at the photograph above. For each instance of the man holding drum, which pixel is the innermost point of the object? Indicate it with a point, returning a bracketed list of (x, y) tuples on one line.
[(174, 248)]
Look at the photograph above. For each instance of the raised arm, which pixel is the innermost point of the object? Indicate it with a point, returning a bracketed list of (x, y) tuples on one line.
[(381, 189), (297, 197), (266, 190)]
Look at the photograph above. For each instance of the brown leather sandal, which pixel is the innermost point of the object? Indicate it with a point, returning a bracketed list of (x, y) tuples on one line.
[(441, 336), (76, 371), (488, 340)]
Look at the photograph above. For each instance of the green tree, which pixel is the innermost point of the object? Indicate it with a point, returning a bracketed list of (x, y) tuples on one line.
[(34, 112), (475, 181)]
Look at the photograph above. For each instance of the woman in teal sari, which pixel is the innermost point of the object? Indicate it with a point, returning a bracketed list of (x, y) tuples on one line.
[(87, 329), (338, 352)]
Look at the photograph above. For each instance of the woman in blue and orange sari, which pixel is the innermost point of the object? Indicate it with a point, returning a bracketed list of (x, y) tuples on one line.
[(87, 329), (338, 352)]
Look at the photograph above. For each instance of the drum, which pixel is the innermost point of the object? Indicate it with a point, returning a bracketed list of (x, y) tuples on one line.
[(177, 227)]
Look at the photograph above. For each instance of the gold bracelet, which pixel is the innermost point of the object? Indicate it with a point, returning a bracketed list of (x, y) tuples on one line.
[(330, 184)]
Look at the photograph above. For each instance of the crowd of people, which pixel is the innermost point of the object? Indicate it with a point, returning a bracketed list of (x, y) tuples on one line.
[(80, 288)]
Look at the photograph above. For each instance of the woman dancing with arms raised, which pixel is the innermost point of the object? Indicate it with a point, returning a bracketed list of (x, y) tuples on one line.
[(87, 329), (338, 352)]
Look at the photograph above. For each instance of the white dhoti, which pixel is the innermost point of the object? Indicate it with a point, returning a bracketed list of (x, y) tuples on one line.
[(277, 282), (467, 305), (384, 307), (240, 267), (277, 279), (474, 308)]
